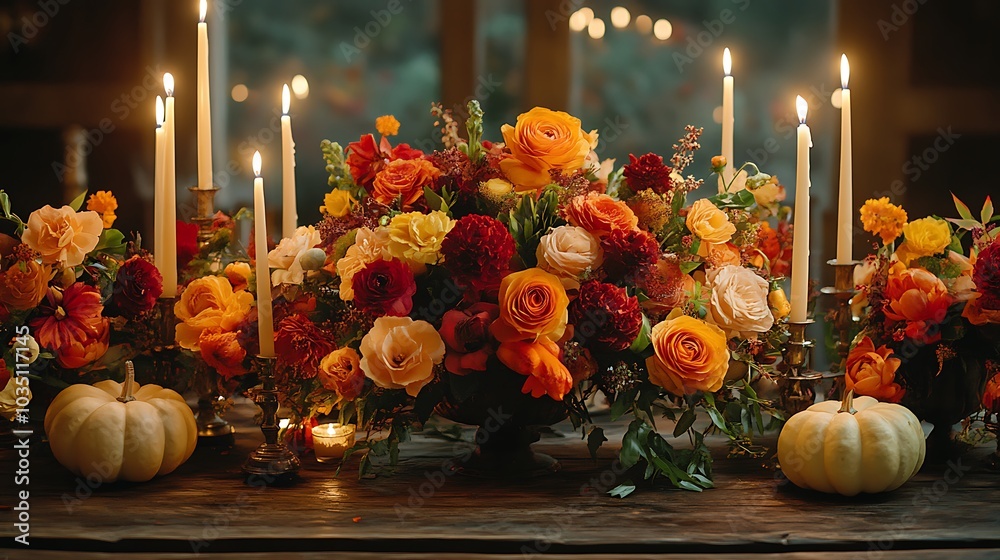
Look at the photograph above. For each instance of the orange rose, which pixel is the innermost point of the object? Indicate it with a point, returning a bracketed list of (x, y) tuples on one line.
[(222, 351), (690, 355), (24, 284), (722, 254), (533, 305), (873, 372), (599, 214), (403, 179), (991, 396), (918, 297), (209, 302), (539, 360), (542, 140), (62, 235), (340, 372)]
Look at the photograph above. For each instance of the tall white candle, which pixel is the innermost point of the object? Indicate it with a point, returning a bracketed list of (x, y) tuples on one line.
[(169, 209), (204, 106), (289, 214), (800, 239), (845, 219), (265, 316), (727, 116), (158, 169)]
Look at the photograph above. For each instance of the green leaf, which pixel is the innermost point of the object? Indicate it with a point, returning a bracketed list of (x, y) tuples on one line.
[(435, 201), (111, 241), (742, 199), (688, 266), (967, 223), (677, 203), (634, 444), (695, 245), (685, 422), (623, 402), (622, 490), (365, 466), (987, 213), (78, 202), (5, 204), (717, 419), (594, 440), (642, 340), (963, 210)]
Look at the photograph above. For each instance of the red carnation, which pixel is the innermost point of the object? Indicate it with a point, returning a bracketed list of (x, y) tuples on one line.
[(605, 317), (647, 172), (187, 243), (300, 345), (627, 253), (986, 275), (136, 288), (365, 157), (385, 288), (477, 251)]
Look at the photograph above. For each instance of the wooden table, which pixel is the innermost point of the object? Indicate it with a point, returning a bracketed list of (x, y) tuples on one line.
[(947, 511)]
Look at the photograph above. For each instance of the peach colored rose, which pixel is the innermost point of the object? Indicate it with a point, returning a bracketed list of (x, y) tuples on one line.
[(722, 254), (569, 252), (543, 140), (340, 372), (24, 284), (690, 355), (539, 360), (209, 302), (872, 372), (403, 180), (369, 246), (222, 351), (533, 305), (738, 304), (920, 299), (400, 353), (239, 274), (61, 235), (709, 223), (599, 214)]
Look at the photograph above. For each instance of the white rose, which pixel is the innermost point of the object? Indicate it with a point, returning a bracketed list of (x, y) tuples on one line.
[(400, 353), (25, 349), (738, 304), (568, 252), (285, 257), (864, 272)]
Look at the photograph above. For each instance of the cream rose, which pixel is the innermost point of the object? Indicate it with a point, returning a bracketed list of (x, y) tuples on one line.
[(400, 353), (285, 257), (369, 246), (9, 395), (415, 238), (568, 252), (738, 301), (61, 235)]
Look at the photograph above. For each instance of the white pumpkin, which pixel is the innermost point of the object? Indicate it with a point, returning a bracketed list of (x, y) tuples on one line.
[(120, 431), (853, 446)]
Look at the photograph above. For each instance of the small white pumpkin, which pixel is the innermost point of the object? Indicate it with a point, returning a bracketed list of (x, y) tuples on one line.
[(120, 431), (852, 446)]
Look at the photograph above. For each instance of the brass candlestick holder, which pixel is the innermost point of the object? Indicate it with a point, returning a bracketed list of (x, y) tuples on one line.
[(797, 384), (164, 351), (272, 461), (205, 213), (843, 290)]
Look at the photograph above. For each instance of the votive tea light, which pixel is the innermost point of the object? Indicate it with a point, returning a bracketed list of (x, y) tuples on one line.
[(331, 440)]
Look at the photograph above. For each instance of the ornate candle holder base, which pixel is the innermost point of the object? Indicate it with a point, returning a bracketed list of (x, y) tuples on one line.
[(212, 428), (272, 462), (797, 383), (205, 201), (843, 290), (164, 352)]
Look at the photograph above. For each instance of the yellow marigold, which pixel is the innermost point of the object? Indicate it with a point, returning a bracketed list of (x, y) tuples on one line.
[(924, 237), (105, 204), (387, 125), (883, 218), (338, 203)]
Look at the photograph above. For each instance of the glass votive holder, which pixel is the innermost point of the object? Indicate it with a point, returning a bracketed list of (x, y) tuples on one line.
[(331, 440)]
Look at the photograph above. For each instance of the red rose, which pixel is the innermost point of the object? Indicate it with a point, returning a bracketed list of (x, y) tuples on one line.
[(627, 253), (187, 243), (986, 275), (466, 333), (605, 316), (477, 251), (385, 288), (300, 345), (366, 157), (137, 286), (647, 172)]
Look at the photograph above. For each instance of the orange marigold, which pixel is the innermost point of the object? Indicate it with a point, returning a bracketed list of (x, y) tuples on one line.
[(387, 125), (883, 218), (105, 204)]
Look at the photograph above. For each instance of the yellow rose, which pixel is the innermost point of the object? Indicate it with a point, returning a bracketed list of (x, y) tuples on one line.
[(533, 305), (690, 355), (338, 203), (415, 238), (61, 235), (568, 252), (710, 224), (369, 246), (209, 302), (542, 140), (924, 237), (239, 274), (400, 353)]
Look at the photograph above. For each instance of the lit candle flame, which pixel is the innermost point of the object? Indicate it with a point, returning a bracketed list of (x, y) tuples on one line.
[(727, 62), (256, 164), (159, 111), (203, 7), (801, 107), (845, 71), (168, 84), (331, 429), (285, 99)]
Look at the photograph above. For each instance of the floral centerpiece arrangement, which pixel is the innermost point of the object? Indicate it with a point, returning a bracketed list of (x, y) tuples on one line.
[(505, 283)]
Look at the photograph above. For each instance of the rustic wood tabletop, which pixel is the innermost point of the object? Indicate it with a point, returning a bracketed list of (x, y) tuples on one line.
[(420, 508)]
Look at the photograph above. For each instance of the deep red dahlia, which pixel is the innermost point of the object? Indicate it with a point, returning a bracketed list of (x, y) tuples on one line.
[(605, 317), (647, 172), (385, 288), (365, 157), (477, 251), (986, 275), (137, 285), (628, 253), (301, 344)]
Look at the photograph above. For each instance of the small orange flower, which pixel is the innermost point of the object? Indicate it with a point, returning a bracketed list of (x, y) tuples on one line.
[(599, 214), (538, 360), (387, 125), (872, 372), (222, 351), (105, 204), (883, 218), (920, 299)]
